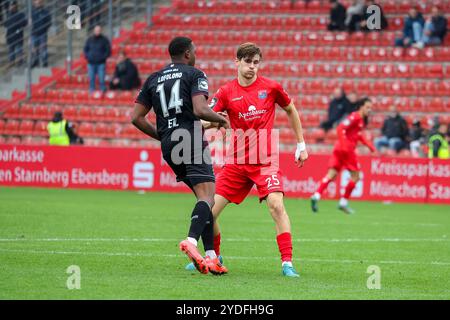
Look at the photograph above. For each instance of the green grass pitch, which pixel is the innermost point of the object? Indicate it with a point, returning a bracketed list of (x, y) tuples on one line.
[(126, 245)]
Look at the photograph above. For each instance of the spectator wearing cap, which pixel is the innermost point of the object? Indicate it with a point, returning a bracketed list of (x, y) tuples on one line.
[(61, 131), (438, 144)]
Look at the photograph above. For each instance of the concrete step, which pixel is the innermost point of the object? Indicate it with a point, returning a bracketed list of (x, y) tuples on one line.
[(18, 80)]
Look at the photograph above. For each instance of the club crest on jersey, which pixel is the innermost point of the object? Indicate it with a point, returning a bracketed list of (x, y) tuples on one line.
[(262, 94)]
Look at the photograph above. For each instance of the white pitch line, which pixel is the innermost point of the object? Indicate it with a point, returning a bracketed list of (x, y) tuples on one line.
[(139, 254), (225, 240)]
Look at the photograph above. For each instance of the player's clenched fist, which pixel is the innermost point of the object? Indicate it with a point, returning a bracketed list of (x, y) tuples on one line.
[(301, 155)]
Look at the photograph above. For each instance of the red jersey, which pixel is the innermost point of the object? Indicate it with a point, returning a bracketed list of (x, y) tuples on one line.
[(251, 108), (349, 133)]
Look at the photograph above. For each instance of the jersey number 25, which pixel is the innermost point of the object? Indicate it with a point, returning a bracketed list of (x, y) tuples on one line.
[(272, 181)]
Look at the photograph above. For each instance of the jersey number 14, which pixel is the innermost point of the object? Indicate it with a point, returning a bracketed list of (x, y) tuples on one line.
[(175, 101)]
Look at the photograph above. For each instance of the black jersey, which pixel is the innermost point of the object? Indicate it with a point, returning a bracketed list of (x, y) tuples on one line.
[(169, 92)]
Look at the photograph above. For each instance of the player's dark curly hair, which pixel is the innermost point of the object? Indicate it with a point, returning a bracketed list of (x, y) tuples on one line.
[(359, 104), (179, 45), (362, 102)]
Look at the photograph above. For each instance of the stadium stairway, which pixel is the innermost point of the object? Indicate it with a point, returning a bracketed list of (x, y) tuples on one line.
[(309, 61)]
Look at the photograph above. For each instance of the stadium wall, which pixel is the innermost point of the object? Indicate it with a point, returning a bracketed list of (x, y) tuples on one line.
[(383, 179)]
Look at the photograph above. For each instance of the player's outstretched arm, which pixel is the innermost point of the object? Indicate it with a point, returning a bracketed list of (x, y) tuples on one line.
[(211, 125), (366, 142), (204, 112), (139, 121), (301, 155)]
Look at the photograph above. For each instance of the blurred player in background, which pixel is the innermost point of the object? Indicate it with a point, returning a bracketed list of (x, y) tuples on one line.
[(178, 94), (249, 102), (344, 155)]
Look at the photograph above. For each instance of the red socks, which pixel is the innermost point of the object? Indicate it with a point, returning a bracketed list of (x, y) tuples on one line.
[(349, 188), (217, 244), (323, 185), (284, 242)]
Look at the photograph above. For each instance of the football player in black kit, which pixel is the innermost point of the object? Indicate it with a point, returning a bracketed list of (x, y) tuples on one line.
[(178, 94)]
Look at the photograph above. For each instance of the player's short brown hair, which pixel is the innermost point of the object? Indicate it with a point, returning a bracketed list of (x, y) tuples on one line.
[(248, 50)]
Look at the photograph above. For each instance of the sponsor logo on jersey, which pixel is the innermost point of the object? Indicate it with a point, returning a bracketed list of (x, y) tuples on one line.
[(252, 113), (202, 84), (213, 103), (237, 99)]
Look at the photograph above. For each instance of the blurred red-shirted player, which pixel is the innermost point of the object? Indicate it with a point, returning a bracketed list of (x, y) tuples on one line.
[(344, 155), (250, 102)]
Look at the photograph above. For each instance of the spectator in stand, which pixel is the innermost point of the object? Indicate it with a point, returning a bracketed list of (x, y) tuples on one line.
[(417, 139), (438, 144), (337, 16), (41, 22), (15, 24), (61, 133), (368, 14), (412, 29), (126, 75), (97, 50), (355, 14), (338, 107), (394, 132), (354, 102), (4, 8), (435, 29)]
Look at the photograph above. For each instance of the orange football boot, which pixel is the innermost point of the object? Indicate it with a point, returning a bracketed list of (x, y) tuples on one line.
[(195, 256), (215, 267)]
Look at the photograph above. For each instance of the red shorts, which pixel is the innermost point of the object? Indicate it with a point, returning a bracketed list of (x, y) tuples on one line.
[(235, 181), (344, 160)]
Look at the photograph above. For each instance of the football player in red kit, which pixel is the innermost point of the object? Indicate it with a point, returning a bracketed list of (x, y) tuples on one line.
[(250, 102), (344, 155)]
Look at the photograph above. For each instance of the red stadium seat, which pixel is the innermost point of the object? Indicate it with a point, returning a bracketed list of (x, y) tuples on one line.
[(27, 111), (11, 127), (26, 127), (436, 105), (66, 96), (98, 113), (41, 112), (13, 140), (86, 129), (40, 129), (101, 130), (70, 113), (2, 126), (12, 112), (85, 113), (112, 114)]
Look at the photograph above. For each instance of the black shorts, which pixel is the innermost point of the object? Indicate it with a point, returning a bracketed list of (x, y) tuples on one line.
[(197, 169)]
